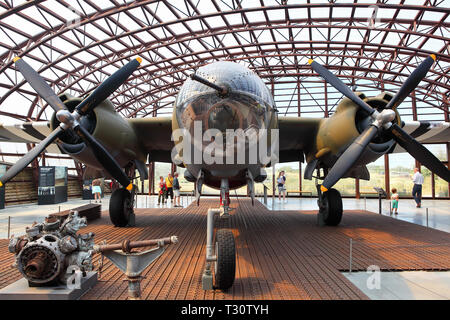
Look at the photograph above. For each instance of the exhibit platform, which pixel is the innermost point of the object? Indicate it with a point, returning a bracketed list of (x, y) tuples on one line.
[(280, 254), (20, 290)]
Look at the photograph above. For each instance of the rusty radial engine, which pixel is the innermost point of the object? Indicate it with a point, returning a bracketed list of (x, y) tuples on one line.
[(44, 254)]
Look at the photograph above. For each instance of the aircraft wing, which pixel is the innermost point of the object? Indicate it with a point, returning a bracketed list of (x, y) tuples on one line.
[(155, 135), (297, 137), (426, 132), (27, 132)]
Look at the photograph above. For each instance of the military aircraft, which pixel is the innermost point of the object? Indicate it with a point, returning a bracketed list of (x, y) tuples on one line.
[(225, 96)]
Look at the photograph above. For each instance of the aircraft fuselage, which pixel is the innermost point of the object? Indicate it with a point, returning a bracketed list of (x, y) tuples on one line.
[(208, 118)]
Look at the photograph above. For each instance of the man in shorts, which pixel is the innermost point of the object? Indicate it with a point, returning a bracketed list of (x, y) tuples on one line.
[(176, 190)]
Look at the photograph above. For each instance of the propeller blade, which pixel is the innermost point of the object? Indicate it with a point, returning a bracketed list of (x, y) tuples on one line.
[(106, 88), (23, 162), (39, 84), (419, 152), (348, 158), (104, 157), (340, 86), (411, 82)]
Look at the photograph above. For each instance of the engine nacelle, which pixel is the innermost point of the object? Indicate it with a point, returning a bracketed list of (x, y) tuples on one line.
[(108, 127), (337, 132)]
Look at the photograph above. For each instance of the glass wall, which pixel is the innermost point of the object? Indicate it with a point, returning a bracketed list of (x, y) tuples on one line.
[(401, 166), (259, 187), (401, 170), (308, 185), (346, 187), (440, 185), (291, 173), (163, 169), (377, 179), (426, 187)]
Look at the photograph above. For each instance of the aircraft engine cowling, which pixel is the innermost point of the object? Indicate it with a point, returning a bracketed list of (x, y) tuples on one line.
[(339, 131), (108, 127)]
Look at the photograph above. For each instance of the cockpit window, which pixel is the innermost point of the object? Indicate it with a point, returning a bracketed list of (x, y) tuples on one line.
[(236, 111)]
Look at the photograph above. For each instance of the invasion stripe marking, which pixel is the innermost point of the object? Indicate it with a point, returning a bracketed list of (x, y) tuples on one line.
[(19, 131), (28, 132), (433, 131), (42, 127), (28, 128), (411, 126), (442, 136), (408, 128), (7, 136), (53, 148), (422, 129)]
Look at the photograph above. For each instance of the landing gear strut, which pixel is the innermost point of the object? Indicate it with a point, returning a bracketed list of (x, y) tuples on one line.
[(330, 207), (222, 251)]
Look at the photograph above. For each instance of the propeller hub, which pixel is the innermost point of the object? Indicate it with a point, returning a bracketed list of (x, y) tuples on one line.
[(384, 117), (64, 116)]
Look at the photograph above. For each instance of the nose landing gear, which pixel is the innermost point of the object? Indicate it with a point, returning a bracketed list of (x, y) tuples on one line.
[(222, 251)]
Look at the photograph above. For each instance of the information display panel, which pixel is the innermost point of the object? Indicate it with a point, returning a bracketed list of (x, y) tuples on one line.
[(52, 185)]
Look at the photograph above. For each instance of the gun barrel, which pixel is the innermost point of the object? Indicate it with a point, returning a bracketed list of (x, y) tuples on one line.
[(127, 245), (221, 89)]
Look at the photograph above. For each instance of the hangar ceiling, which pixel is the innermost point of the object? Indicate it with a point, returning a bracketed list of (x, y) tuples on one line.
[(372, 45)]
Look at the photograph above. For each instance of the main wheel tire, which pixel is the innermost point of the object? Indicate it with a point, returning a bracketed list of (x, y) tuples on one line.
[(119, 207), (333, 213), (225, 267)]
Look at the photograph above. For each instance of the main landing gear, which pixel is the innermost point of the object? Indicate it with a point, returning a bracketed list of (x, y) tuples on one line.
[(222, 251), (330, 207), (121, 208), (121, 204)]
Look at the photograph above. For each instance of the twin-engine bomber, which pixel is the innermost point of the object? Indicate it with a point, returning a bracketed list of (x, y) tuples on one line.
[(225, 99)]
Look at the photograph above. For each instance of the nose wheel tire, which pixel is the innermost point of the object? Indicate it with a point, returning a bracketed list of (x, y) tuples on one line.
[(120, 207), (225, 266), (332, 213)]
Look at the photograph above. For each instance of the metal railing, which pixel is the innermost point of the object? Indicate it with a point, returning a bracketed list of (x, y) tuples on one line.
[(7, 228)]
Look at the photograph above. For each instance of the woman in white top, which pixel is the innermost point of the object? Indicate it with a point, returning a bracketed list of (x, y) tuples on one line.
[(281, 181)]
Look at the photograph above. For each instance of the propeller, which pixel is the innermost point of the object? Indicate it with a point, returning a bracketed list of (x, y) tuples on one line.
[(39, 85), (382, 122), (30, 156), (71, 120)]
